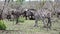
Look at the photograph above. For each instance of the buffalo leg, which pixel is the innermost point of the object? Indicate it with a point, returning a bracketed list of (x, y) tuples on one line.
[(26, 17), (17, 20)]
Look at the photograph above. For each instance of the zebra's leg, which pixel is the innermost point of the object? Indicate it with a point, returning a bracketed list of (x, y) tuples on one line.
[(36, 22), (43, 20), (49, 23)]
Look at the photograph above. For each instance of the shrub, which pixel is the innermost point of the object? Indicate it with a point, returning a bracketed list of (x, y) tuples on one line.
[(2, 25)]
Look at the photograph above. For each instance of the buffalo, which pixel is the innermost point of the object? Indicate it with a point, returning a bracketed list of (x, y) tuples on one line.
[(29, 13), (16, 15)]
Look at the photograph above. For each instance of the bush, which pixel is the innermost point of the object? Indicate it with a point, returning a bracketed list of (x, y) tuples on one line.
[(21, 19), (2, 25)]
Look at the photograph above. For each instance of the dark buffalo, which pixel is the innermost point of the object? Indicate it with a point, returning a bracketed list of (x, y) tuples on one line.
[(16, 15), (57, 12), (29, 13), (8, 16)]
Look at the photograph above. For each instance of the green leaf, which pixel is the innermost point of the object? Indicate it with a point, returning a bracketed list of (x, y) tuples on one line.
[(20, 1)]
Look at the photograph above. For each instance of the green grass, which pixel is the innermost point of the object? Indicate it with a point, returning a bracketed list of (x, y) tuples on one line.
[(27, 27), (21, 19)]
